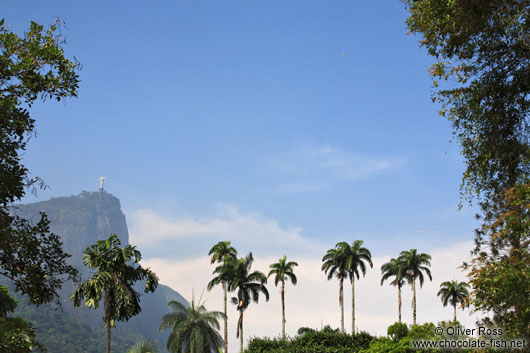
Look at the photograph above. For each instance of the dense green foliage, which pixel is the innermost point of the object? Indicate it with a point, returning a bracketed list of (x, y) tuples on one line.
[(32, 66), (59, 332), (482, 48), (67, 335), (397, 331), (501, 278), (325, 341), (193, 328), (113, 281), (7, 303), (400, 339), (16, 334)]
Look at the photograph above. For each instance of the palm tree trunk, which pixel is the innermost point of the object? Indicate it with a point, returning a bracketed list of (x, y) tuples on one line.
[(413, 300), (239, 331), (454, 319), (226, 319), (106, 315), (241, 335), (341, 303), (283, 308), (353, 305), (399, 304)]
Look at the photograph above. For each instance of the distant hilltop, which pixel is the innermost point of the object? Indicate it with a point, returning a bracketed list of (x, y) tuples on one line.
[(81, 221)]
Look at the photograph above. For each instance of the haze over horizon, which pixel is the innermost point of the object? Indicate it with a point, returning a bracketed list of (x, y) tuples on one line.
[(246, 122)]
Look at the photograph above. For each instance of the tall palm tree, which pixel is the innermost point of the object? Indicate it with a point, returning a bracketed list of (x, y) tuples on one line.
[(335, 262), (248, 286), (414, 265), (453, 292), (114, 279), (393, 269), (356, 257), (193, 328), (146, 346), (283, 271), (223, 253)]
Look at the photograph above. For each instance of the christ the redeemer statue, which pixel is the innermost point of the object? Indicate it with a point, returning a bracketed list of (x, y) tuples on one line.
[(101, 182)]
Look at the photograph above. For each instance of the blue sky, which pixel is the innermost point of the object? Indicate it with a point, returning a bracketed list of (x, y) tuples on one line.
[(310, 119)]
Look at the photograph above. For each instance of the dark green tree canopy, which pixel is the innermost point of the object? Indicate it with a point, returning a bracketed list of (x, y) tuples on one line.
[(115, 278), (117, 270), (16, 334), (32, 66), (482, 50)]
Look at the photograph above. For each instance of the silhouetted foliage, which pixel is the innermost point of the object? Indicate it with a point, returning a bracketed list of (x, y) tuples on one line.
[(32, 66)]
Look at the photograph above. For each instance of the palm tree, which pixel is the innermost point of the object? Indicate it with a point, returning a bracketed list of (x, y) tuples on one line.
[(414, 265), (453, 292), (193, 328), (223, 253), (114, 279), (248, 286), (146, 346), (356, 257), (393, 269), (336, 263), (283, 270)]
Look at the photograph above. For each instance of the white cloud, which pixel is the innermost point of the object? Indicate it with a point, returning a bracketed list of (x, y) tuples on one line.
[(311, 167), (247, 231), (314, 301)]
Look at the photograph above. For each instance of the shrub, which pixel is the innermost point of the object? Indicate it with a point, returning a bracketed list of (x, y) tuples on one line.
[(311, 341)]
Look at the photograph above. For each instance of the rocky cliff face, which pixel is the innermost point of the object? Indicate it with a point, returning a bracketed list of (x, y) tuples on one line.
[(81, 221)]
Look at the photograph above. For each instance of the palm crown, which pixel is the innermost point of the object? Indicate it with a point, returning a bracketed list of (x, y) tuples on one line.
[(356, 256), (114, 279), (453, 292), (335, 263), (248, 286), (193, 328), (283, 270), (414, 265), (222, 251)]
